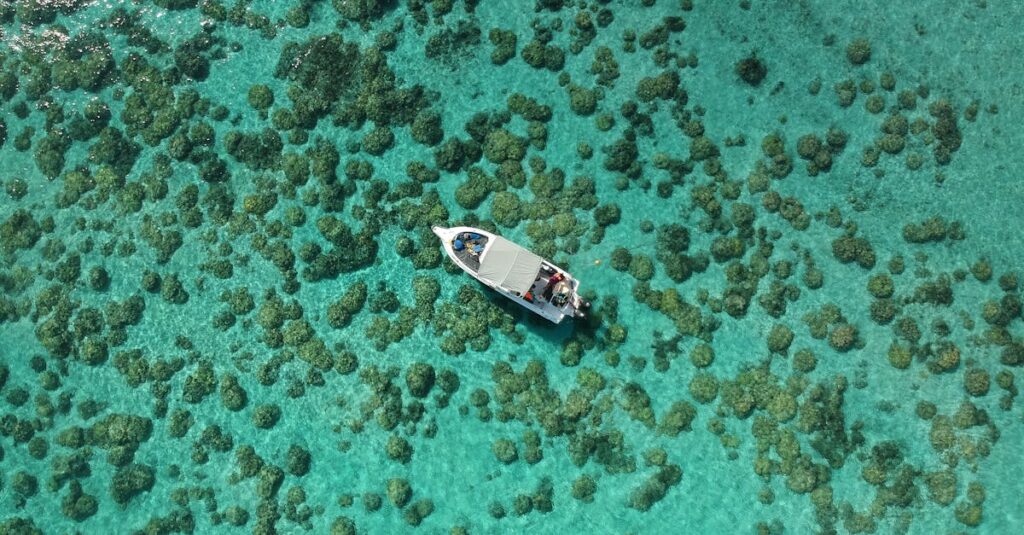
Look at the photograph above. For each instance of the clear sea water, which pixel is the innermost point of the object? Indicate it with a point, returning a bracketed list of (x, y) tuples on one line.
[(956, 61)]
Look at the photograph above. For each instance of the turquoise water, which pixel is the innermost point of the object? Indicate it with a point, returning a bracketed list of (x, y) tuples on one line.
[(807, 313)]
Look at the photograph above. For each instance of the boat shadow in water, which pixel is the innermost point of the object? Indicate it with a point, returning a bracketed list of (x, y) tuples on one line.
[(550, 332)]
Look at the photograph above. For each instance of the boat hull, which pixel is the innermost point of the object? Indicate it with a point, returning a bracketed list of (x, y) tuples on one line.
[(574, 305)]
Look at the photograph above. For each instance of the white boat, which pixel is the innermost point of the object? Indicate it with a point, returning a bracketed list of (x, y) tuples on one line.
[(535, 283)]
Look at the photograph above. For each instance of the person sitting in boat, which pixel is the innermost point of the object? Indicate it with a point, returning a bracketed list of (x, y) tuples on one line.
[(552, 282)]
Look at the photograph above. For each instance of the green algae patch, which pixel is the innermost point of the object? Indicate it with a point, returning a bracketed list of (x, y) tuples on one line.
[(19, 231), (656, 487), (130, 481)]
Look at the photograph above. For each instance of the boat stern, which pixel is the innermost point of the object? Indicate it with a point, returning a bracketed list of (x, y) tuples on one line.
[(580, 306)]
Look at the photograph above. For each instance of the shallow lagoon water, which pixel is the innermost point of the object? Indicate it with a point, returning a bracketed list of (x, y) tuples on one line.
[(904, 420)]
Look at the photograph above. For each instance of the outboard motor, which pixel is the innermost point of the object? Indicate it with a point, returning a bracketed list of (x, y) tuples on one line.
[(581, 308)]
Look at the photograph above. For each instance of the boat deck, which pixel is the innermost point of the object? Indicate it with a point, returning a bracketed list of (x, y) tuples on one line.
[(468, 257), (541, 301), (536, 292), (538, 288)]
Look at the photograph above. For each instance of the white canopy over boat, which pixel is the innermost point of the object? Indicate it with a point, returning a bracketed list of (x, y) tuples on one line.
[(509, 266)]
